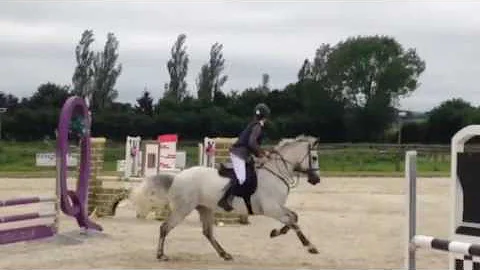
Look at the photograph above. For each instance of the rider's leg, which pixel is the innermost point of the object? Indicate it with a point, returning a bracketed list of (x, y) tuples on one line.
[(239, 169)]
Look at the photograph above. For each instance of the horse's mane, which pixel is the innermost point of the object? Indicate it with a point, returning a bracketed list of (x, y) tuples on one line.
[(290, 141)]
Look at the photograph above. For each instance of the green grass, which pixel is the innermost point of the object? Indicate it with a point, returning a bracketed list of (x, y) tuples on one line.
[(21, 156), (18, 159), (372, 160), (113, 152)]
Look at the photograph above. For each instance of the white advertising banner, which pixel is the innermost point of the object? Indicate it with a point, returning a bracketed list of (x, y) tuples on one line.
[(209, 148), (132, 156), (49, 160), (168, 151)]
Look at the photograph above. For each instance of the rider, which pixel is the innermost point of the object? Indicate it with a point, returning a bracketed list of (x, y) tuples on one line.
[(247, 144)]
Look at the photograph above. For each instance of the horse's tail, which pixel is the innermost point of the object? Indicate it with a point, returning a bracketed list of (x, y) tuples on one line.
[(152, 191)]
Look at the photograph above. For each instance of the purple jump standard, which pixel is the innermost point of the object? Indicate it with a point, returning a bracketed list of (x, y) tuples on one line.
[(72, 203)]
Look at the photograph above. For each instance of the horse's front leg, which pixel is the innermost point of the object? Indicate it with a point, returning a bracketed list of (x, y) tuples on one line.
[(278, 232), (306, 243), (286, 228), (290, 219)]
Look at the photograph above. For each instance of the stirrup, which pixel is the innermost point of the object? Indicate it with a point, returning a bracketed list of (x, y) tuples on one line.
[(223, 203)]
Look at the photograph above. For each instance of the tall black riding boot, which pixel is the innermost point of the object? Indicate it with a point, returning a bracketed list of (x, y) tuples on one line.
[(226, 201)]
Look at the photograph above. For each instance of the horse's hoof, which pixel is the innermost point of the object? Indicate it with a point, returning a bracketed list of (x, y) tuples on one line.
[(227, 257), (162, 257), (313, 250), (274, 233)]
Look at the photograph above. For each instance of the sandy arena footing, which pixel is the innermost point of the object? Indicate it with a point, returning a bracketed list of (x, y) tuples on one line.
[(356, 223)]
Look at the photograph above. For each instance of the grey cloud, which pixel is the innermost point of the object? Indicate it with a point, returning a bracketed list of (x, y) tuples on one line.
[(38, 40)]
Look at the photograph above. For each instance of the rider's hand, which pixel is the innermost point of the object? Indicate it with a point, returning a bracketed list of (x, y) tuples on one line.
[(262, 160), (269, 152)]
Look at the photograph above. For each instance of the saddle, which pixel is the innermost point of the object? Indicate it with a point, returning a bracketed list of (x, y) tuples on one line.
[(245, 191)]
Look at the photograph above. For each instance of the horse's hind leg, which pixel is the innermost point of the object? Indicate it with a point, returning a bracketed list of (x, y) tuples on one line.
[(208, 219), (173, 219)]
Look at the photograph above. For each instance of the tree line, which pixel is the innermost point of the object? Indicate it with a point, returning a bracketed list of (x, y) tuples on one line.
[(346, 92)]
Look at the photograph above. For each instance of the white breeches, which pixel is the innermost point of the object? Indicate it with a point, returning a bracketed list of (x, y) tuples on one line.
[(239, 168)]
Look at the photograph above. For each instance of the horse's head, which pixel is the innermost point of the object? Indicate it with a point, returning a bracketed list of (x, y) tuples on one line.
[(302, 154)]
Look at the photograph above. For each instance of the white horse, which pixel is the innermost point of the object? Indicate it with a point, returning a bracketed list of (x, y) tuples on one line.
[(202, 187)]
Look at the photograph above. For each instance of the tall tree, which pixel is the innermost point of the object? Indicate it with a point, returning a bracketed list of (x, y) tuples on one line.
[(49, 96), (145, 103), (449, 117), (372, 73), (373, 66), (8, 100), (305, 71), (83, 74), (319, 67), (217, 65), (210, 79), (106, 72), (204, 84), (265, 87), (177, 68)]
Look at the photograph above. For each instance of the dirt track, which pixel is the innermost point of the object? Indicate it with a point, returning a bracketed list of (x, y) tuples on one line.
[(356, 223)]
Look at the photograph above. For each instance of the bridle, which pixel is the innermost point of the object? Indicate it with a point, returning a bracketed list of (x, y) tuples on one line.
[(289, 179)]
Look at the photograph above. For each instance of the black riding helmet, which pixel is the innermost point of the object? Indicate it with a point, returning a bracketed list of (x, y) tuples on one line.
[(262, 111)]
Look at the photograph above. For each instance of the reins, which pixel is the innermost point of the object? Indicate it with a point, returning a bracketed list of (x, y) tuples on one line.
[(288, 182), (285, 181)]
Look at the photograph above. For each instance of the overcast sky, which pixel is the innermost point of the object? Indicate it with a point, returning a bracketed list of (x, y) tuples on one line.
[(38, 40)]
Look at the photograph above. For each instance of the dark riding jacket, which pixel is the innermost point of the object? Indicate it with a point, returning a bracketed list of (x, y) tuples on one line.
[(249, 141)]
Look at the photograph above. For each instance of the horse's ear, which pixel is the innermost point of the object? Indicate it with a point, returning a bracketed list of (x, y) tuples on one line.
[(317, 142)]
